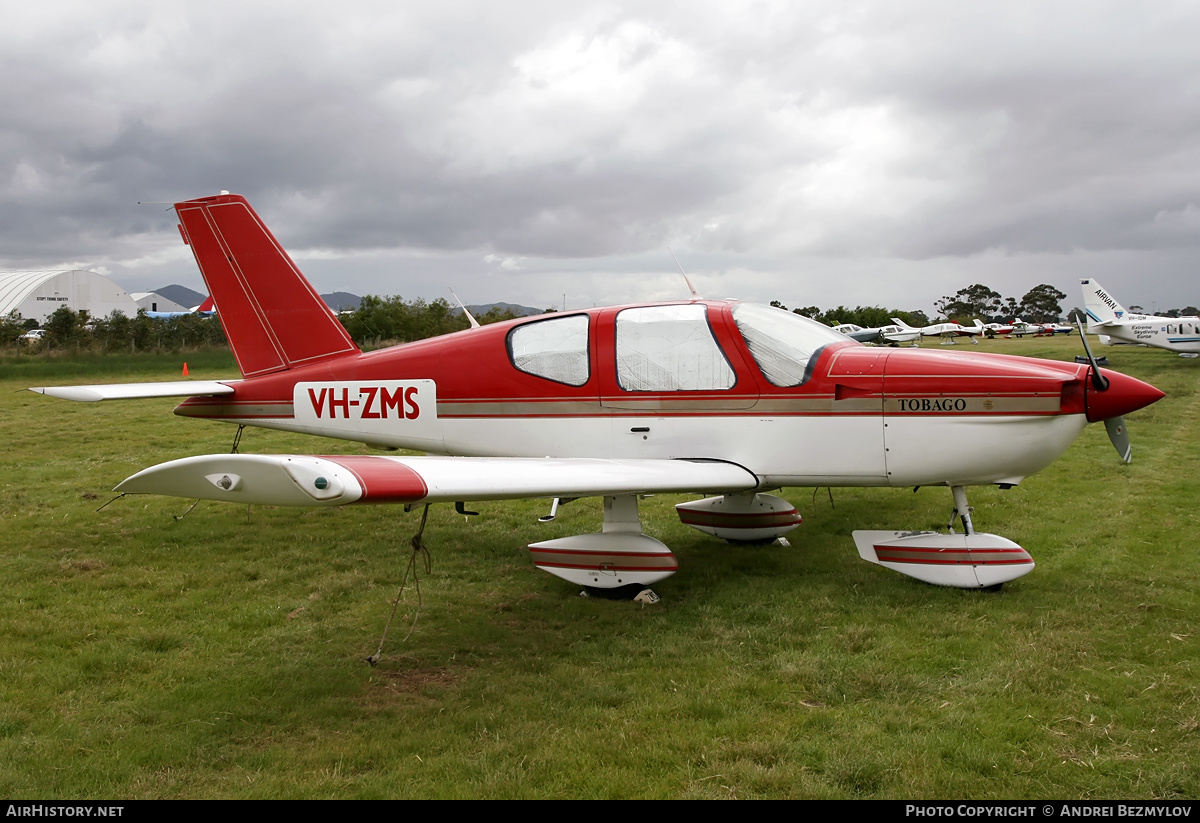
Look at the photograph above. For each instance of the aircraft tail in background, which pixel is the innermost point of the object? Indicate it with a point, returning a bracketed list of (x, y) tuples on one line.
[(273, 317), (1100, 306)]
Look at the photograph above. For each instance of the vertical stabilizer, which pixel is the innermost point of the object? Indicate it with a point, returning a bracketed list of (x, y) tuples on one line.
[(1101, 308), (273, 317)]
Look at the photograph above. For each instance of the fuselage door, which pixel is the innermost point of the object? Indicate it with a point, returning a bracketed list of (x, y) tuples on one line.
[(670, 360)]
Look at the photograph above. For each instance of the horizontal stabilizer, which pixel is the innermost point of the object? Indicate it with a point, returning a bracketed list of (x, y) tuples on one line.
[(136, 391), (299, 480)]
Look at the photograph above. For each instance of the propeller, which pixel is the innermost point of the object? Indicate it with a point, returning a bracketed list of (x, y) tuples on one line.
[(1118, 435)]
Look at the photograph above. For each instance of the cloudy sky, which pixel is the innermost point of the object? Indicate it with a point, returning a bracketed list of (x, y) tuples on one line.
[(817, 153)]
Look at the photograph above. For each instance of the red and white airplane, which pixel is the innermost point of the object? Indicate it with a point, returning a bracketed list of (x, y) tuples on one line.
[(720, 397), (947, 331)]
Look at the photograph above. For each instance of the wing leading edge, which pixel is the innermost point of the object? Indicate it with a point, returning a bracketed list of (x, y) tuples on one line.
[(300, 480), (136, 391)]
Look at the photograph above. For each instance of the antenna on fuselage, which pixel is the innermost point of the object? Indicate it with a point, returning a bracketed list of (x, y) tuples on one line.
[(470, 317), (691, 288)]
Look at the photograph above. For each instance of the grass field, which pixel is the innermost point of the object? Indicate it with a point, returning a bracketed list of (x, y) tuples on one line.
[(221, 655)]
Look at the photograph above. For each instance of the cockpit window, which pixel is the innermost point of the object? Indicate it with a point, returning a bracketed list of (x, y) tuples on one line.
[(670, 348), (782, 342), (555, 349)]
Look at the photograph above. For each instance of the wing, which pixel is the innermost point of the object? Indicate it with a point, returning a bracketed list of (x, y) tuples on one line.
[(136, 391), (299, 480)]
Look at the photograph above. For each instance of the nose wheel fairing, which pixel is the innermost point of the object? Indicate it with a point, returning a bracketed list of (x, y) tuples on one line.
[(965, 561)]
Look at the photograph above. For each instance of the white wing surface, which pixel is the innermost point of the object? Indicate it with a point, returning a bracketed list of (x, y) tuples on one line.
[(300, 480), (136, 391)]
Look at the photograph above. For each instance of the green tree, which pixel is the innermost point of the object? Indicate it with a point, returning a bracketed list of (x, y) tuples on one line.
[(11, 328), (973, 301), (67, 327), (1041, 304), (496, 315), (113, 332)]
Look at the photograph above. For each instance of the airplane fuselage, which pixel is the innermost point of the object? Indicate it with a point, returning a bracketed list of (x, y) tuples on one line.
[(861, 415), (1181, 334)]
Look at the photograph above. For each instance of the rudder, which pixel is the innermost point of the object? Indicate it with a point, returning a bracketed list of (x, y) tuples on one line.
[(1100, 306), (273, 317)]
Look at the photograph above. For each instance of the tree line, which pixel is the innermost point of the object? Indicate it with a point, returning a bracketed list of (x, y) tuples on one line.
[(1041, 304), (378, 321), (389, 320), (78, 331)]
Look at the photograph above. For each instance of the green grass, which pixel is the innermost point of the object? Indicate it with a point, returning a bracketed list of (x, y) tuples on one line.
[(221, 655)]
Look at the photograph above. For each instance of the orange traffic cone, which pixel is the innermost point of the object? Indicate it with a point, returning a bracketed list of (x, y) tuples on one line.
[(185, 374)]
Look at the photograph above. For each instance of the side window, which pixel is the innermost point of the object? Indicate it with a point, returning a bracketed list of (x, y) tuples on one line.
[(782, 343), (670, 348), (555, 349)]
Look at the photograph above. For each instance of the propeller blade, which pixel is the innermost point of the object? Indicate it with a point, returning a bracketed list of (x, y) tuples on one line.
[(1119, 435), (1098, 380)]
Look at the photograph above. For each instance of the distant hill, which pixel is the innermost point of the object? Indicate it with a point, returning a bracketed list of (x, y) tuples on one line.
[(519, 311), (342, 301), (182, 295)]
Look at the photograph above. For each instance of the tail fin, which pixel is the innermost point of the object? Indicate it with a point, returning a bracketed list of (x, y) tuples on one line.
[(1101, 308), (273, 317)]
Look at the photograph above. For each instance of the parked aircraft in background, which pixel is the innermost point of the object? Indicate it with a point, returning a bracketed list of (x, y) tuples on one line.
[(1107, 317), (725, 398), (205, 309), (1022, 328), (947, 331), (892, 335)]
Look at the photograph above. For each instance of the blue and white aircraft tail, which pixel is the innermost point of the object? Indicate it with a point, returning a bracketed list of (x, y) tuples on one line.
[(1107, 317)]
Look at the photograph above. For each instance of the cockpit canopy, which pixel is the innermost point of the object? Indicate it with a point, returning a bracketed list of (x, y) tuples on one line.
[(672, 347)]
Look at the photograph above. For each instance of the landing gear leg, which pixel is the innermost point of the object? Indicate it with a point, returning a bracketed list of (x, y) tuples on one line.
[(617, 557), (961, 510)]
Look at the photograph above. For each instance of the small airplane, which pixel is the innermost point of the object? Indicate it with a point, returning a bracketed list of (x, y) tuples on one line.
[(205, 309), (1107, 317), (947, 331), (725, 398), (892, 335), (1022, 328)]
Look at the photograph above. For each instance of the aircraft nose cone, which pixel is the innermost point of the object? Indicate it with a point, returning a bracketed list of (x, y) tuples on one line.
[(1124, 394)]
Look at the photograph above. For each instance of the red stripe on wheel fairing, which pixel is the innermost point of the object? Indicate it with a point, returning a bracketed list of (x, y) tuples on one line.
[(952, 557)]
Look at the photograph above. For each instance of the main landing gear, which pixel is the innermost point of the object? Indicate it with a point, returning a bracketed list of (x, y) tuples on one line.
[(620, 558), (616, 557), (972, 560)]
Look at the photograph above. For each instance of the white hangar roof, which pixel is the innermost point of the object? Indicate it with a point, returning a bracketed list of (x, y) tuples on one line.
[(38, 294)]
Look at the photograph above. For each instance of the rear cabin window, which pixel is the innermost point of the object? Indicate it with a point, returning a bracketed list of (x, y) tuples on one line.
[(670, 348), (782, 343), (555, 349)]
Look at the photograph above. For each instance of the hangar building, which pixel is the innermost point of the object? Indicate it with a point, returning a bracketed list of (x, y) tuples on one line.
[(153, 301), (37, 294)]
